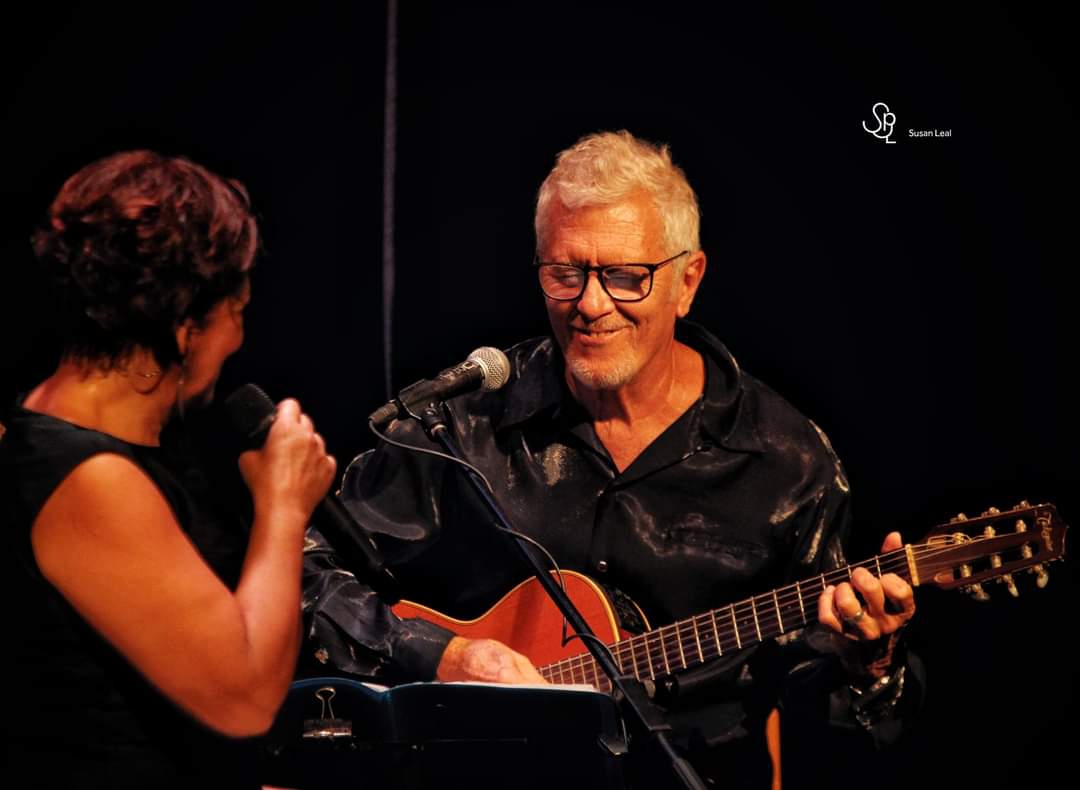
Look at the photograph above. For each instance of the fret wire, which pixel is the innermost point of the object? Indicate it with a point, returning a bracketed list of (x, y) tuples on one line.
[(617, 652), (802, 609), (678, 639), (599, 680), (787, 613), (697, 638), (716, 633), (648, 654), (623, 666), (663, 649), (633, 658), (779, 615), (753, 611), (734, 622)]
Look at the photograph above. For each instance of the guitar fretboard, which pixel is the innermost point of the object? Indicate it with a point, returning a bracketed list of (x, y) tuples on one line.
[(719, 632)]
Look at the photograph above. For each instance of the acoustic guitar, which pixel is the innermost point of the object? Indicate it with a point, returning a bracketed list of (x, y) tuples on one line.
[(964, 554)]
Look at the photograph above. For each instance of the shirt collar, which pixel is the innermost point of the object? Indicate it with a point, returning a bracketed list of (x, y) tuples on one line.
[(536, 382), (537, 387)]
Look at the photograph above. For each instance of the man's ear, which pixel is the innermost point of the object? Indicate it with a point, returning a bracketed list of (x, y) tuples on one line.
[(689, 282)]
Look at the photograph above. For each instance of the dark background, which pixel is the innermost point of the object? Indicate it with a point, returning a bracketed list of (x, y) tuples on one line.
[(914, 299)]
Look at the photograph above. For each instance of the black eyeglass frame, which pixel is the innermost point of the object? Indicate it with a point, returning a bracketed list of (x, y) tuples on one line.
[(652, 268)]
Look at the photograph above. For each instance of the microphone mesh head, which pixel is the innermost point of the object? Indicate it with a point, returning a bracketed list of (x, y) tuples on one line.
[(495, 365), (248, 409)]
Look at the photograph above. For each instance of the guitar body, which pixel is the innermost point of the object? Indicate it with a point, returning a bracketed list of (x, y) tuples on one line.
[(526, 620)]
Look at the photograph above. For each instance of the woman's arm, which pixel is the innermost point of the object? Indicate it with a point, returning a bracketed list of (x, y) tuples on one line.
[(111, 545)]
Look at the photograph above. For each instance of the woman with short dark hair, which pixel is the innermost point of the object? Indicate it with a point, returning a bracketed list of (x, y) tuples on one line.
[(135, 664)]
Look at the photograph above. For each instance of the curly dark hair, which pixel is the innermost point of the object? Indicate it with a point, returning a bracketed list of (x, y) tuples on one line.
[(135, 244)]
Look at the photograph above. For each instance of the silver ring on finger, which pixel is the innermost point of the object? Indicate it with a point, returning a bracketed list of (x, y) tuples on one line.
[(853, 619)]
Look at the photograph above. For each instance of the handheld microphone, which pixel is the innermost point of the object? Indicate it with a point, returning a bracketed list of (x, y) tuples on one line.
[(251, 413), (486, 369)]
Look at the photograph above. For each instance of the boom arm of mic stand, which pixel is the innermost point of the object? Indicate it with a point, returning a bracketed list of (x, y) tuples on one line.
[(631, 692)]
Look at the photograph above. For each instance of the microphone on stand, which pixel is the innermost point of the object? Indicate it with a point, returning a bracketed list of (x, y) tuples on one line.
[(486, 369), (251, 412)]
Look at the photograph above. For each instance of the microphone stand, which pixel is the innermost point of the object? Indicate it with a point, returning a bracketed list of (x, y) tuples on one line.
[(629, 692)]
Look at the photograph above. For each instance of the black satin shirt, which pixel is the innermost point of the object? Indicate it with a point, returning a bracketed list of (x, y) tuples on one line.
[(740, 495)]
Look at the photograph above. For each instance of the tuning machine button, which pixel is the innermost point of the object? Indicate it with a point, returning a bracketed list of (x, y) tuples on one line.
[(1042, 578), (1007, 580), (975, 590)]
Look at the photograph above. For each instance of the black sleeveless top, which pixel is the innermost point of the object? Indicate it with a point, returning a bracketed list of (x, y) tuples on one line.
[(78, 714)]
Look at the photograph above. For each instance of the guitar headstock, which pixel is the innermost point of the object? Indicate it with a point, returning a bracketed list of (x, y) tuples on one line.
[(969, 551)]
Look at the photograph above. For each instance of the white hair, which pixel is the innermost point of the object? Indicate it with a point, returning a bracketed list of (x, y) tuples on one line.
[(606, 168)]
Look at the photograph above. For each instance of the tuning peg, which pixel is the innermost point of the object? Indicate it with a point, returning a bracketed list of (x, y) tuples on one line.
[(975, 590), (1007, 580), (958, 517), (1042, 578), (1023, 504), (995, 562), (991, 511)]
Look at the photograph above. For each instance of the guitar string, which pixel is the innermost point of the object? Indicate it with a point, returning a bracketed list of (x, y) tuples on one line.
[(687, 631), (707, 650)]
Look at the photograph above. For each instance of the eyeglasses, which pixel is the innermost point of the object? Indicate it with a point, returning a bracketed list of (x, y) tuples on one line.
[(623, 282)]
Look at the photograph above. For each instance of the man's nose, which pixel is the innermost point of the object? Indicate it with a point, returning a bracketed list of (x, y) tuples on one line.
[(594, 302)]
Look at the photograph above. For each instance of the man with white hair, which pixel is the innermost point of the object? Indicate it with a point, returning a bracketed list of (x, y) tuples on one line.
[(631, 446)]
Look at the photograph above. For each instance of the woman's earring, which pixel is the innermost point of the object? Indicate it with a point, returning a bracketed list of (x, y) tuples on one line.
[(145, 381)]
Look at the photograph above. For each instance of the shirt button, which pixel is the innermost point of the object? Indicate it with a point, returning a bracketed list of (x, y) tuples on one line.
[(601, 566)]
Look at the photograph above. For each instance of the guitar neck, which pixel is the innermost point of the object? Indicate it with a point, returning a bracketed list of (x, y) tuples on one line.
[(719, 632)]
